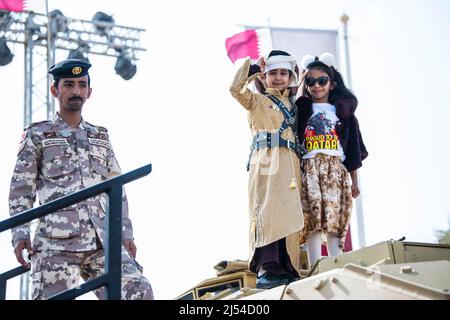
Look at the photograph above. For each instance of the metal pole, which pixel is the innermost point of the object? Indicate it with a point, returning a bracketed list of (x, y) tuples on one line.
[(269, 25), (344, 20), (28, 96), (2, 290), (113, 241), (27, 118), (359, 203), (50, 61)]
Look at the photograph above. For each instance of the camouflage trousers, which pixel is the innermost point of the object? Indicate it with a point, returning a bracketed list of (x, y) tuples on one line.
[(54, 271)]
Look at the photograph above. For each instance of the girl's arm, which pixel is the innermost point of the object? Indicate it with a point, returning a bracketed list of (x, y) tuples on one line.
[(355, 188), (355, 150), (239, 88)]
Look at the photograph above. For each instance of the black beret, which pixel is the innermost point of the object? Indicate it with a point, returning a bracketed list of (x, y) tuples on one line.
[(70, 68)]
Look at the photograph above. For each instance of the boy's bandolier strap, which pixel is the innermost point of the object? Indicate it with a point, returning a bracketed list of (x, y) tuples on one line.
[(267, 139)]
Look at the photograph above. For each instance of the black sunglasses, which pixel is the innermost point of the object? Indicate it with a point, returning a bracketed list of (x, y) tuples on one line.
[(322, 81)]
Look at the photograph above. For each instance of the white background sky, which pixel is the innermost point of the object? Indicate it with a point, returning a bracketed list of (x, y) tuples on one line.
[(177, 113)]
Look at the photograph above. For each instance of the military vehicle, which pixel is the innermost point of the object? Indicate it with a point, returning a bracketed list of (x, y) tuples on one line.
[(393, 269)]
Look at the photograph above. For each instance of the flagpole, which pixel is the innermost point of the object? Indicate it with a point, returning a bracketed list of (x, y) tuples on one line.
[(359, 203), (50, 61), (48, 55), (344, 20), (270, 31)]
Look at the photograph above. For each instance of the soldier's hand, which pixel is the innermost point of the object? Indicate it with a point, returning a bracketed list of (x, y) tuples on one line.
[(23, 244), (130, 247)]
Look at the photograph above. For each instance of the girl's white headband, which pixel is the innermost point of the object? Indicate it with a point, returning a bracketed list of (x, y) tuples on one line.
[(326, 58)]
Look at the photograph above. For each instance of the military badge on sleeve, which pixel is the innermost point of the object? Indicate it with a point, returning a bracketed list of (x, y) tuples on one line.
[(50, 134), (23, 142)]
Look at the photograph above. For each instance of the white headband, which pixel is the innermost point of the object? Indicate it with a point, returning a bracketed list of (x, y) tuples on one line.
[(280, 65), (326, 58), (283, 62)]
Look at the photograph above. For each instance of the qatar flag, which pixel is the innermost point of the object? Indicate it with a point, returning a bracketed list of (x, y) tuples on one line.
[(251, 43), (12, 5), (243, 44), (23, 5)]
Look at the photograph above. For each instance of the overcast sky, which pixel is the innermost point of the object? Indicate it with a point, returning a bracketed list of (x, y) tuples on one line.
[(177, 113)]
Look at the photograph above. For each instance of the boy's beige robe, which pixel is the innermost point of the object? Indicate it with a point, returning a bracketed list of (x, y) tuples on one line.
[(275, 208)]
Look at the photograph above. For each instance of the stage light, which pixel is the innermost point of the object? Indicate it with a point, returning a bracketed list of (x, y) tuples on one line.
[(5, 21), (103, 19), (124, 67), (5, 54), (78, 54), (58, 21)]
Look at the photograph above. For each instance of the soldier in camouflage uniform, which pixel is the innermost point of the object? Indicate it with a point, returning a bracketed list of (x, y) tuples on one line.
[(57, 157)]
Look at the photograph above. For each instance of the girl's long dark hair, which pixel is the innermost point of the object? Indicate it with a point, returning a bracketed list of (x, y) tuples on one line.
[(340, 92)]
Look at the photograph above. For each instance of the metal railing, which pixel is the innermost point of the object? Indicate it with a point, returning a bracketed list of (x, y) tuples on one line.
[(113, 234)]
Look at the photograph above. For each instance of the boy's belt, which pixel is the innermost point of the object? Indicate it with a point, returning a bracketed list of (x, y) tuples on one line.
[(269, 140)]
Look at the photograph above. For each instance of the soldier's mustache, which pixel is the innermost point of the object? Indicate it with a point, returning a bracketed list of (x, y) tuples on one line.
[(75, 98)]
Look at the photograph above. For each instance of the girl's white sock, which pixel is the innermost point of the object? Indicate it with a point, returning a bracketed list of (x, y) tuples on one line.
[(333, 245), (314, 247)]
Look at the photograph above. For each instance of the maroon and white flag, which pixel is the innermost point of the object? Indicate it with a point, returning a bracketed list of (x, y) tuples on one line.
[(12, 5), (243, 44), (251, 43), (23, 5)]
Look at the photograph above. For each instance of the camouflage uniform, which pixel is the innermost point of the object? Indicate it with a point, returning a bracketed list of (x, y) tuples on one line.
[(56, 160)]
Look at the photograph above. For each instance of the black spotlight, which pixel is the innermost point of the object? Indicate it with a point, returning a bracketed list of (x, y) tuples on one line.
[(77, 54), (5, 20), (5, 54), (102, 18), (58, 21), (124, 67)]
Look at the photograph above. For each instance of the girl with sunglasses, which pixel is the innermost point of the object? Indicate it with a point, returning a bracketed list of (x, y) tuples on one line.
[(274, 169), (328, 129)]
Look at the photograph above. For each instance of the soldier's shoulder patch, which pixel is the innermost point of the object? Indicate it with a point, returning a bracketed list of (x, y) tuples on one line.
[(21, 147), (22, 142), (33, 124)]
